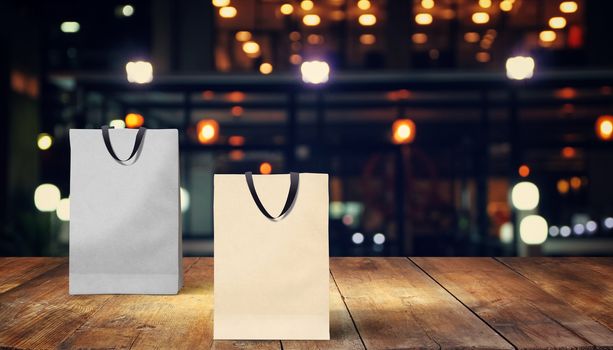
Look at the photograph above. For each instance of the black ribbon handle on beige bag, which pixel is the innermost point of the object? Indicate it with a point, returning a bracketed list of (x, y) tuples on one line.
[(291, 196), (137, 142)]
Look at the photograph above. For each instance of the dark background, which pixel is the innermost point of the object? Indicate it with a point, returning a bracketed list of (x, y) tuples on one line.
[(444, 193)]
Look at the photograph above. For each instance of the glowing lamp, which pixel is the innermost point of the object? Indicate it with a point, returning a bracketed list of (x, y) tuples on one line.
[(227, 12), (367, 19), (242, 36), (533, 229), (480, 17), (134, 120), (44, 141), (265, 168), (363, 4), (47, 197), (423, 19), (265, 68), (427, 4), (520, 67), (208, 131), (315, 72), (307, 5), (547, 36), (286, 9), (251, 48), (403, 131), (557, 22), (604, 127), (70, 27), (568, 7), (311, 20), (221, 3), (506, 5), (525, 196), (524, 170), (63, 209), (117, 123), (139, 72)]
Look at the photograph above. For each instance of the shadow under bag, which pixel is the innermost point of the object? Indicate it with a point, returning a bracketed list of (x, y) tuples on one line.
[(125, 232), (271, 257)]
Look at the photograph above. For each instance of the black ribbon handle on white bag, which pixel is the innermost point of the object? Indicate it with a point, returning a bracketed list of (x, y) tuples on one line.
[(291, 196), (107, 142)]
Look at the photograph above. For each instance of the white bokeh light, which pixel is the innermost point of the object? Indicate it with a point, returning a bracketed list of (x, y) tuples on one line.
[(357, 238), (139, 72), (525, 196), (608, 222), (506, 232), (520, 67), (579, 229), (533, 229), (46, 197), (565, 231), (315, 72), (554, 231), (63, 209), (185, 199), (591, 226), (117, 123), (378, 238)]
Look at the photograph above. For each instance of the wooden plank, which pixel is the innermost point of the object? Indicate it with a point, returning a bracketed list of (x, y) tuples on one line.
[(343, 334), (584, 283), (518, 309), (40, 313), (154, 321), (395, 305), (246, 345), (16, 271)]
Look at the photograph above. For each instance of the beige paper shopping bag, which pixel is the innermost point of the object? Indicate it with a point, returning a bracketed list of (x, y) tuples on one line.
[(271, 256)]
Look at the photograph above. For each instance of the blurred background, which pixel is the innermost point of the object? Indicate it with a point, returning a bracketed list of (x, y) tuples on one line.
[(448, 127)]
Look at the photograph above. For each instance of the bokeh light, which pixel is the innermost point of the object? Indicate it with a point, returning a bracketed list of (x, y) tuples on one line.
[(47, 197), (44, 141), (533, 229), (208, 131), (520, 67), (139, 72), (265, 168), (604, 127), (403, 131), (63, 209), (525, 196), (315, 72), (134, 120)]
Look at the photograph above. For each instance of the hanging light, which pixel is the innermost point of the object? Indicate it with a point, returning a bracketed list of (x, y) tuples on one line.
[(251, 48), (221, 3), (427, 4), (604, 127), (480, 17), (485, 3), (403, 131), (228, 12), (286, 9), (568, 7), (208, 131), (307, 5), (547, 36), (557, 22), (134, 120), (265, 68), (363, 4), (423, 18), (506, 5), (367, 19)]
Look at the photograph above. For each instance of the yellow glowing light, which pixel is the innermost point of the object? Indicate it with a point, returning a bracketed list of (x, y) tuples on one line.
[(368, 39), (63, 209), (471, 37), (568, 7), (563, 186), (139, 72), (363, 4), (265, 68), (44, 141), (423, 18), (70, 27), (315, 72), (525, 196), (480, 17), (311, 20), (286, 9), (208, 131), (575, 183), (47, 197), (227, 12), (557, 22), (243, 36), (127, 10), (307, 5), (134, 120), (367, 19), (221, 3), (506, 5), (547, 36), (265, 168), (117, 123), (604, 127), (427, 4), (483, 56), (251, 48), (403, 131), (485, 3), (419, 38), (520, 67), (533, 229), (524, 170)]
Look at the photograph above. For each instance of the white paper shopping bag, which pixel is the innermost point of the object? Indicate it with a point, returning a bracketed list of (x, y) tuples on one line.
[(271, 256), (125, 233)]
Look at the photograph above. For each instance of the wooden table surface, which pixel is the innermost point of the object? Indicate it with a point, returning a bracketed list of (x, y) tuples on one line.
[(376, 303)]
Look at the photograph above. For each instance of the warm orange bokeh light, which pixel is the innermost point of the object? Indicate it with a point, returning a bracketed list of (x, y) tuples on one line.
[(265, 168), (604, 127), (403, 131), (208, 131), (563, 186), (575, 183), (237, 111), (524, 170), (236, 96), (237, 155), (208, 95), (569, 152), (236, 140), (134, 120)]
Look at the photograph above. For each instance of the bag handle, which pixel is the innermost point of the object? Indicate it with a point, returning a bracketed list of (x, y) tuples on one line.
[(107, 142), (291, 196)]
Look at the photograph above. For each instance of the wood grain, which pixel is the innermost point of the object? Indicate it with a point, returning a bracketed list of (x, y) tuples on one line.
[(517, 308), (15, 271), (584, 283), (396, 306), (40, 313), (149, 321), (343, 334)]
